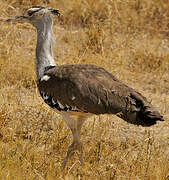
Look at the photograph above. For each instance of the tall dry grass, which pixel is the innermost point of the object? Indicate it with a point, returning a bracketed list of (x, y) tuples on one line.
[(129, 39)]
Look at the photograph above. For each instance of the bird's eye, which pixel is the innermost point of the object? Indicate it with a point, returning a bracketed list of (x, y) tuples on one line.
[(30, 13)]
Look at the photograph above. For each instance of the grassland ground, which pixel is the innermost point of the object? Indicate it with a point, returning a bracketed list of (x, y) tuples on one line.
[(129, 39)]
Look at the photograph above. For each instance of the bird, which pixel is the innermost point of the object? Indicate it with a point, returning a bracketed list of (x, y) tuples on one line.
[(79, 91)]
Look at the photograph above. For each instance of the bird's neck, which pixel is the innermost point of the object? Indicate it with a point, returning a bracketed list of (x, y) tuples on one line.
[(44, 51)]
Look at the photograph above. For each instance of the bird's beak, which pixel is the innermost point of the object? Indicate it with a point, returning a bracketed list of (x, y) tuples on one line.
[(16, 19)]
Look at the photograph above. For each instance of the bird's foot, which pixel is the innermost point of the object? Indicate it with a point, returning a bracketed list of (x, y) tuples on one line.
[(73, 147)]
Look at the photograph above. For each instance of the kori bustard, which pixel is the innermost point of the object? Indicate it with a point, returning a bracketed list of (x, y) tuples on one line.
[(79, 91)]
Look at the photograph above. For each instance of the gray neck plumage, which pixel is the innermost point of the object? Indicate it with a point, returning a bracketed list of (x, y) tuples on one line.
[(44, 51)]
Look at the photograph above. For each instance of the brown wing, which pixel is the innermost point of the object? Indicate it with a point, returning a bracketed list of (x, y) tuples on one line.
[(92, 89), (86, 87)]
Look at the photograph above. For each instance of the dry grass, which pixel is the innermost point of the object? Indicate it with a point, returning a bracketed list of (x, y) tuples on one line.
[(130, 39)]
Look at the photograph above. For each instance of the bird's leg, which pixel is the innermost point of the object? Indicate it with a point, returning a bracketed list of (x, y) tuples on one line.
[(75, 126), (76, 137)]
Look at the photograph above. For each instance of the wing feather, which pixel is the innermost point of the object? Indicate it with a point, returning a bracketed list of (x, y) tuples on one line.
[(87, 87), (92, 89)]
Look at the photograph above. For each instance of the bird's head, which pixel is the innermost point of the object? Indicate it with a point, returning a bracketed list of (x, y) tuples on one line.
[(35, 15)]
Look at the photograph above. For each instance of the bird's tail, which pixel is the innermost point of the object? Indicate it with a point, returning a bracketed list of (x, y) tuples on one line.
[(148, 116), (141, 112)]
